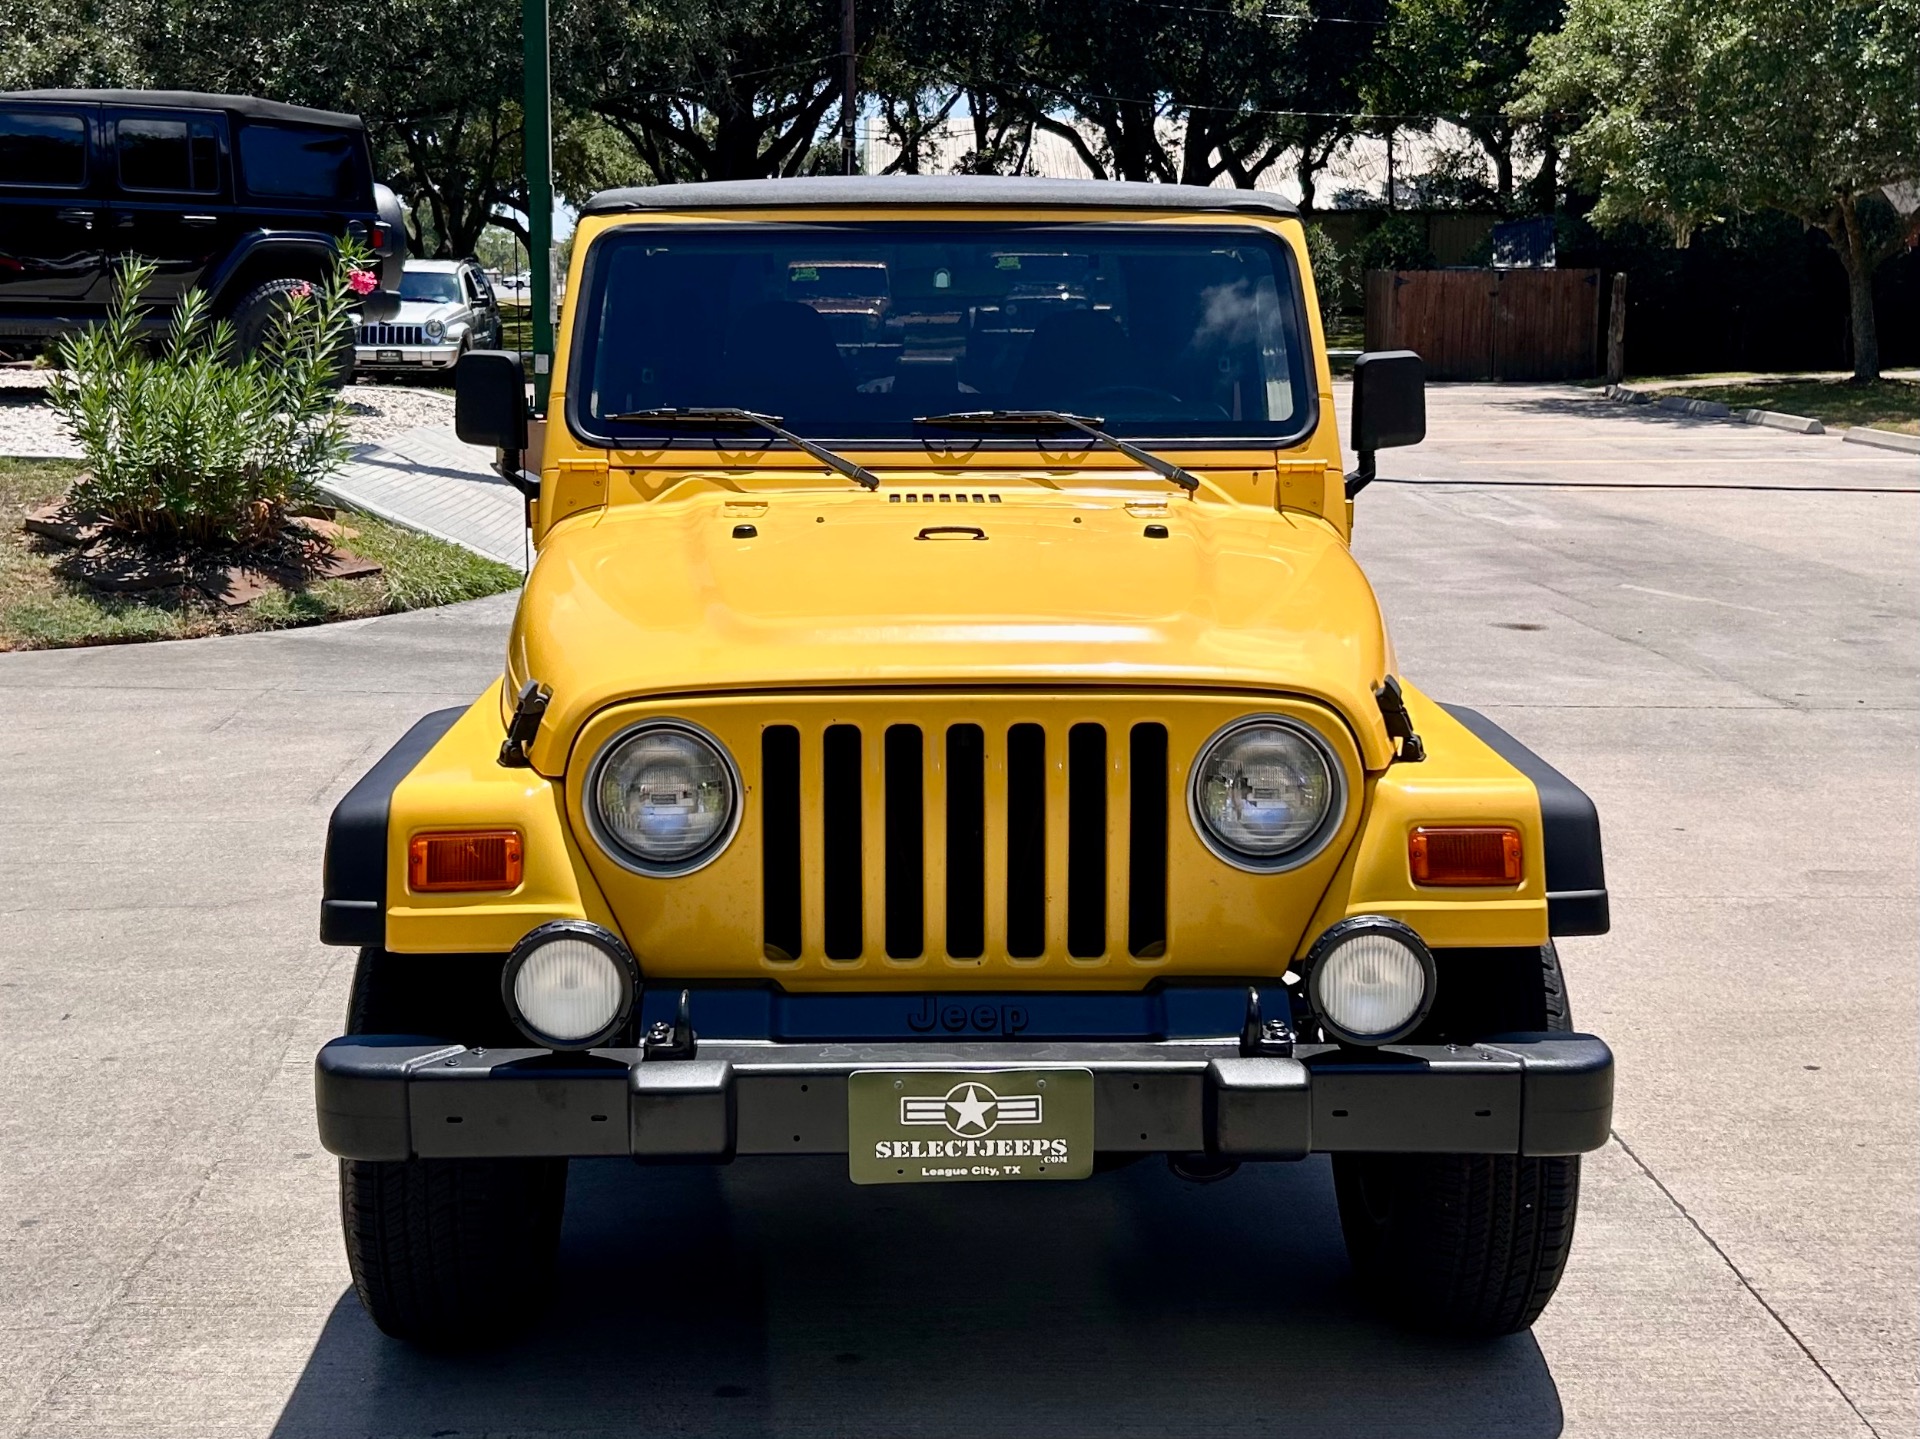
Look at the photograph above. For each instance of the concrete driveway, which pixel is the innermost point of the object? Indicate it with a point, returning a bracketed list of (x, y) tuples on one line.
[(1731, 672)]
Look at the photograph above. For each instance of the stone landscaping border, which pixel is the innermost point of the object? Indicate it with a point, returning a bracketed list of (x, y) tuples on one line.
[(1715, 410), (1798, 424)]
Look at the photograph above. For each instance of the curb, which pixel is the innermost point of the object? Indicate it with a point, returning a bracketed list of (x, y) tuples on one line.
[(1715, 410), (1797, 424), (1706, 409), (1883, 439)]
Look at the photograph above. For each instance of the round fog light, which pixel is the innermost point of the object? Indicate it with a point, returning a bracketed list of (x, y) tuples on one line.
[(569, 985), (1371, 980)]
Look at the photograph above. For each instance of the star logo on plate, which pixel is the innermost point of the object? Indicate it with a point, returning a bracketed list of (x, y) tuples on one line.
[(971, 1109)]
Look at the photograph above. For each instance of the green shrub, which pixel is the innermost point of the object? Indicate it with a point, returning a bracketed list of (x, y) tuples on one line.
[(1333, 278), (193, 445), (1397, 243)]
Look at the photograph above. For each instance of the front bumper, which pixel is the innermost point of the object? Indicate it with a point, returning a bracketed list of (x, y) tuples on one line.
[(405, 357), (397, 1097)]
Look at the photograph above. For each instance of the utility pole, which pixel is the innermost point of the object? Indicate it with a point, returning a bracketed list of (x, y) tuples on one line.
[(539, 160), (849, 91)]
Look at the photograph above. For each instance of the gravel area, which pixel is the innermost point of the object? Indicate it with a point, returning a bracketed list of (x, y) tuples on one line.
[(28, 428)]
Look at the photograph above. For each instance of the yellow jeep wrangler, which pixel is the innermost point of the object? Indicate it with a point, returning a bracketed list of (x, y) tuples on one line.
[(945, 726)]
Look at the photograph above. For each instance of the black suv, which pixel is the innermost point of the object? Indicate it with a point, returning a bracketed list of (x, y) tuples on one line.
[(243, 198)]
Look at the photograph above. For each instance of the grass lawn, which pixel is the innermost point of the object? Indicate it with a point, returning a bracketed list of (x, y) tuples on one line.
[(1837, 404), (41, 610), (1346, 333), (516, 325)]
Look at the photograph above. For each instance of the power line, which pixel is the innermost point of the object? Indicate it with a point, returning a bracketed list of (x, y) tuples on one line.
[(1286, 15)]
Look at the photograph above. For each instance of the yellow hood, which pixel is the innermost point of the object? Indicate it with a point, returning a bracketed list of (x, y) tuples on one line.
[(861, 590)]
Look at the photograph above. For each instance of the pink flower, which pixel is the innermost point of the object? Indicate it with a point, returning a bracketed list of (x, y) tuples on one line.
[(301, 289), (362, 282)]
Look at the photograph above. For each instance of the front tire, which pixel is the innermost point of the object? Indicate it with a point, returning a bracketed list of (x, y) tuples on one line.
[(1464, 1243), (445, 1253)]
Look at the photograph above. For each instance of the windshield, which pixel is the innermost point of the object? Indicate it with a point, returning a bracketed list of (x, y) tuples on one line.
[(438, 286), (855, 331)]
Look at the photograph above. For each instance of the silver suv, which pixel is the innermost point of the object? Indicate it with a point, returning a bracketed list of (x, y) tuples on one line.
[(446, 308)]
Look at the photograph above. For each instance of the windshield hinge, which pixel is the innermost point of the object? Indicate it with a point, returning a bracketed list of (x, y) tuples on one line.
[(528, 710), (1393, 709)]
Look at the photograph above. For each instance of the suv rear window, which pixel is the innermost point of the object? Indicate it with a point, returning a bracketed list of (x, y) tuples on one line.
[(283, 162), (41, 149), (182, 156)]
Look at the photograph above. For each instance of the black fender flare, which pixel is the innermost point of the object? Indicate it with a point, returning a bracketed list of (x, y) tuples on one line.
[(1576, 873), (353, 902), (307, 245)]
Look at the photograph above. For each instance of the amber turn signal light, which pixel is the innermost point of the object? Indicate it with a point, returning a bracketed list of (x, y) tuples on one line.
[(477, 859), (1480, 855)]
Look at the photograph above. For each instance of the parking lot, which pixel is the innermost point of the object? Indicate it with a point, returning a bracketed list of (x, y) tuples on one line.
[(1708, 626)]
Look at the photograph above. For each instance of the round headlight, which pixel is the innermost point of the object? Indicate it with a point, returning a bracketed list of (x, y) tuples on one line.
[(436, 329), (1370, 980), (663, 798), (1266, 794), (569, 985)]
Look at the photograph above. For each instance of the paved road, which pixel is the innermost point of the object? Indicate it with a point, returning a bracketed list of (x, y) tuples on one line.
[(1731, 673)]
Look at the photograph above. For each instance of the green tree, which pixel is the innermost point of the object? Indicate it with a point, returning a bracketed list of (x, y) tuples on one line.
[(706, 89), (1325, 80), (439, 89), (1690, 111), (1459, 60), (73, 43), (1174, 93)]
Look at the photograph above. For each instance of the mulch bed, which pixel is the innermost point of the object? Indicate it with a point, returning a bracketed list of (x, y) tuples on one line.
[(310, 547)]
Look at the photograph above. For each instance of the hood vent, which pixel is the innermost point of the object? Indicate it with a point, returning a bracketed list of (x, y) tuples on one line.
[(944, 497)]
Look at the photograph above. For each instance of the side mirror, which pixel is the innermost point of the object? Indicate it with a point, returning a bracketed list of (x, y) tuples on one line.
[(1389, 408), (490, 399), (490, 408)]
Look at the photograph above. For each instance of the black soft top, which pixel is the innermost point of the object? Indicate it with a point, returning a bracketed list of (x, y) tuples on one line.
[(245, 106), (935, 191)]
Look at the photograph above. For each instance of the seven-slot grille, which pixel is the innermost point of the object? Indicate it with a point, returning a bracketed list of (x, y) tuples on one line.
[(1010, 812), (379, 334)]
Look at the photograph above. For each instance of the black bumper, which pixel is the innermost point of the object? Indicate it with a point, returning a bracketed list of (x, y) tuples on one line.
[(398, 1097)]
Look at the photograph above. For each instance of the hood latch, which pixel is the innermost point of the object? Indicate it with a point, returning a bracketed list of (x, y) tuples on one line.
[(528, 710), (1393, 709)]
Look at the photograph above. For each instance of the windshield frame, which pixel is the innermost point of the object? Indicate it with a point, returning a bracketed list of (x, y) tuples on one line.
[(584, 320)]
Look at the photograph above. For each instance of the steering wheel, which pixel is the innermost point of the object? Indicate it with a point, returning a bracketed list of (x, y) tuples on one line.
[(1143, 397)]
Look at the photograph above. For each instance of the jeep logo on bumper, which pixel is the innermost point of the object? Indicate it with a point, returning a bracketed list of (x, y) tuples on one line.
[(929, 1013)]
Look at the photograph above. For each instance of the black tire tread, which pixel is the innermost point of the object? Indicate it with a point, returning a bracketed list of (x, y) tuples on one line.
[(443, 1252), (447, 1252), (1472, 1243)]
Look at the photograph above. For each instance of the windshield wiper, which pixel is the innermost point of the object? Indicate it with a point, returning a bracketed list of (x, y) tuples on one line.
[(1088, 425), (722, 415)]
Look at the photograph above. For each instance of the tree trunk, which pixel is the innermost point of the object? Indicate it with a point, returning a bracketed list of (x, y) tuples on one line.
[(1546, 183), (1844, 230), (1617, 331)]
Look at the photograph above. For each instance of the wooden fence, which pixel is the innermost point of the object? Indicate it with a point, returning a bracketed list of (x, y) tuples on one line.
[(1489, 324)]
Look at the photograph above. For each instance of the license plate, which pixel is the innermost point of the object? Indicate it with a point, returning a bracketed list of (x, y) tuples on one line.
[(931, 1126), (386, 357)]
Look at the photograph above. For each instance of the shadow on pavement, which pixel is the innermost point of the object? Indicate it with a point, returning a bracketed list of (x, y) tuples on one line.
[(1589, 408), (774, 1298)]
